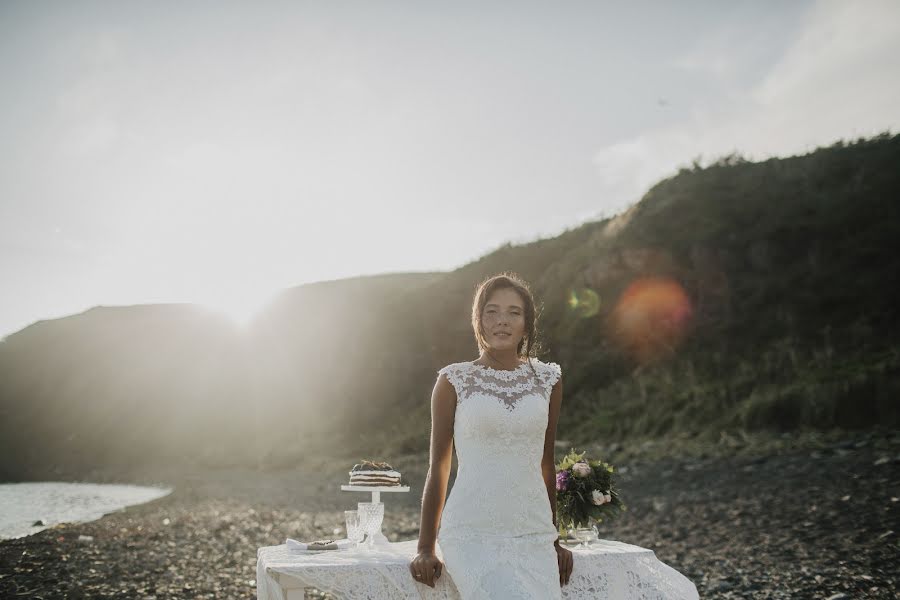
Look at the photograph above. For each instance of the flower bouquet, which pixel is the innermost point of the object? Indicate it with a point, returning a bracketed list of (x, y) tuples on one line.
[(585, 493)]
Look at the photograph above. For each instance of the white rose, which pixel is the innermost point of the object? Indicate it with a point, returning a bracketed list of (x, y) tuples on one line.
[(608, 497), (598, 498), (581, 469)]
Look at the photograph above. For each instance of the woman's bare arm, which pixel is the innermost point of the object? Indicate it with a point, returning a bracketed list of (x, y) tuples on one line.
[(548, 462), (443, 413), (564, 557)]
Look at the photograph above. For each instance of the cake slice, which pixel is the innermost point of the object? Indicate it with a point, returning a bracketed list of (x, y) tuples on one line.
[(322, 545), (374, 474)]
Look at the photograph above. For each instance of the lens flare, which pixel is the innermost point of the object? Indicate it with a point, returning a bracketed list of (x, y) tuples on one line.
[(651, 317), (584, 301)]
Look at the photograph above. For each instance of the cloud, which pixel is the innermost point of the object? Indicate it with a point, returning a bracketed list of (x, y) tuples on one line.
[(713, 54), (87, 108), (836, 80), (89, 136), (839, 77), (198, 156), (842, 42)]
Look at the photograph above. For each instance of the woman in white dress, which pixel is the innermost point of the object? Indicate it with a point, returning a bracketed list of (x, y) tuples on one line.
[(497, 532)]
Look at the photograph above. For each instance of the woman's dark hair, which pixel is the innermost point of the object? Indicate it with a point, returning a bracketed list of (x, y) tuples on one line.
[(528, 345)]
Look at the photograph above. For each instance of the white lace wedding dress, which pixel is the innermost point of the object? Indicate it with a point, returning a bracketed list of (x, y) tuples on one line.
[(496, 531)]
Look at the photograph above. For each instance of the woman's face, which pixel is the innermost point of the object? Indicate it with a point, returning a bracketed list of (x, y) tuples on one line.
[(503, 319)]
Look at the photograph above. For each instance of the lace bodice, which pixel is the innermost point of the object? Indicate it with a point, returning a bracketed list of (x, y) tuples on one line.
[(501, 416), (535, 377)]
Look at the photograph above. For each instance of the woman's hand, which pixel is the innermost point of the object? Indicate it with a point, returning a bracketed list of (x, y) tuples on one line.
[(425, 568), (564, 558)]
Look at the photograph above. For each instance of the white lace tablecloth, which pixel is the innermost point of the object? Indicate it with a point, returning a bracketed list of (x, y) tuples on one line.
[(606, 569)]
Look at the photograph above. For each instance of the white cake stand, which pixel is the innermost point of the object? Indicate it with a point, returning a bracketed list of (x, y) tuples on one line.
[(378, 538)]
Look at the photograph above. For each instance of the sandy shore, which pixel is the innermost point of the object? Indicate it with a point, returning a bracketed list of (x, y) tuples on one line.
[(797, 523)]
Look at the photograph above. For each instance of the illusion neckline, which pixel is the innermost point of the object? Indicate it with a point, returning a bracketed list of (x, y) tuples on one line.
[(486, 368)]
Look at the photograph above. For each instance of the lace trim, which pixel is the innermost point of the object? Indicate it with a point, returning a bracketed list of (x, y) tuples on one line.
[(551, 374), (507, 374), (512, 390)]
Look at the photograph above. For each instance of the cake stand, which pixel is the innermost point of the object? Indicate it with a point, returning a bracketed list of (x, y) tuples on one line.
[(378, 538)]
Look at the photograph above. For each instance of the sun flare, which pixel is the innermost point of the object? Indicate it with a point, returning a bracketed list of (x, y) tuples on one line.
[(241, 308)]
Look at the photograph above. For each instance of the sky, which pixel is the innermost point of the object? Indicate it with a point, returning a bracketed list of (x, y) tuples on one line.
[(218, 152)]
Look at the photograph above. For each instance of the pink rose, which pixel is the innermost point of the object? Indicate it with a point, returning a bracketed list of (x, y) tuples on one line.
[(597, 497), (581, 469)]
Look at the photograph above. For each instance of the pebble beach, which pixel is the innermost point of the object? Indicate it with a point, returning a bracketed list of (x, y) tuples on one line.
[(814, 520)]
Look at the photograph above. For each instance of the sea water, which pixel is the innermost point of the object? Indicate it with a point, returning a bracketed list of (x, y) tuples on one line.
[(22, 504)]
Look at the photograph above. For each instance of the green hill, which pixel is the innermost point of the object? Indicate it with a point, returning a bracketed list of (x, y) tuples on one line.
[(736, 296)]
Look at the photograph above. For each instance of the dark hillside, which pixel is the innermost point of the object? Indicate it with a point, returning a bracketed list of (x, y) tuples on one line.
[(733, 297)]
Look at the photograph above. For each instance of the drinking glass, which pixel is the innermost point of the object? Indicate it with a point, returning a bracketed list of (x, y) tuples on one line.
[(371, 516), (354, 526), (586, 535)]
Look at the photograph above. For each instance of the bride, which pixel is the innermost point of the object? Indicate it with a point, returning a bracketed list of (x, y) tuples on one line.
[(497, 532)]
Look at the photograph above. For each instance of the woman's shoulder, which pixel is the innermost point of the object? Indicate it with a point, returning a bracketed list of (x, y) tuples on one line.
[(545, 364), (550, 372), (455, 367), (456, 373)]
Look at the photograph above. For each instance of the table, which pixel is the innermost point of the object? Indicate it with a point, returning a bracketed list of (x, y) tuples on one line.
[(605, 569)]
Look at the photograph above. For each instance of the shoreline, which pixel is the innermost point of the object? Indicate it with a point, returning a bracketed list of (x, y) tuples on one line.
[(31, 511)]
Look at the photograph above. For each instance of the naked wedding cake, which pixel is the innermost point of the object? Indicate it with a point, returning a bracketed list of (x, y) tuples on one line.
[(374, 474)]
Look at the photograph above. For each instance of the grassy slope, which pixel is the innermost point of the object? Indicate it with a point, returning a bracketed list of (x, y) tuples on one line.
[(788, 264)]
